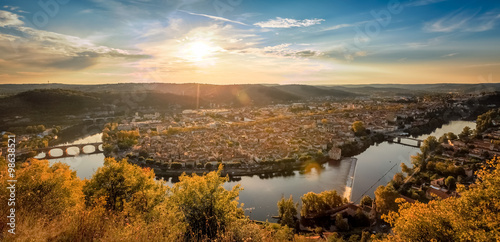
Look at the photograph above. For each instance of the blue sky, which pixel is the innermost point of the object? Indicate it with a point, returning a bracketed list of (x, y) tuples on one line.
[(243, 41)]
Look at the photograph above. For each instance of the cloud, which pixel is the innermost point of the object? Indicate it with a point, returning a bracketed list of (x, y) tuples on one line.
[(214, 17), (9, 19), (280, 51), (423, 2), (338, 26), (450, 55), (463, 21), (288, 23), (32, 48)]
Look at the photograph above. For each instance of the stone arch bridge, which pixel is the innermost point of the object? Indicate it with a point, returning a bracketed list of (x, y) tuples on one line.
[(82, 150)]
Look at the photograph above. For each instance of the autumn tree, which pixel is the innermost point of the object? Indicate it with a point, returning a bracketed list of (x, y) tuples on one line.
[(45, 189), (406, 169), (474, 216), (287, 211), (359, 128), (121, 183)]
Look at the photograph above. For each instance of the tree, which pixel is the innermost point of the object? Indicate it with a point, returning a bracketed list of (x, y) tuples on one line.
[(471, 217), (120, 183), (40, 128), (485, 120), (334, 237), (429, 145), (398, 178), (287, 211), (340, 223), (359, 128), (43, 189), (362, 219), (366, 200), (406, 169), (450, 182), (206, 206), (452, 136), (317, 204), (385, 199), (466, 133)]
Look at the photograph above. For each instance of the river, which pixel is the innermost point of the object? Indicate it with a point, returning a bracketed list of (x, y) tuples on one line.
[(372, 168)]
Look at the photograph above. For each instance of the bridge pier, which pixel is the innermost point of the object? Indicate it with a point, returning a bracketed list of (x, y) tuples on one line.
[(419, 143)]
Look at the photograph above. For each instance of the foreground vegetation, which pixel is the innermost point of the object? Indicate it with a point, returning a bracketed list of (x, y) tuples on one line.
[(474, 216), (123, 202)]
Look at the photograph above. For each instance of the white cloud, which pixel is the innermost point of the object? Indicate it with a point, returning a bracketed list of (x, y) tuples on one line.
[(9, 19), (281, 51), (214, 17), (35, 48), (288, 23), (338, 26), (463, 21), (450, 55)]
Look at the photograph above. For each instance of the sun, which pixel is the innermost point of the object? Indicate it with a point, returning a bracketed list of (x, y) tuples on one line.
[(199, 51)]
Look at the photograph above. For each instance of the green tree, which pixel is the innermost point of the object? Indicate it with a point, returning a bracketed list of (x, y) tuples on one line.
[(450, 182), (385, 199), (485, 120), (40, 128), (429, 145), (452, 136), (314, 204), (362, 219), (466, 134), (287, 211), (207, 207), (340, 223), (366, 200)]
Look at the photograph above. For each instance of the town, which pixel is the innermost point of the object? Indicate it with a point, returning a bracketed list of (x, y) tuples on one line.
[(248, 137)]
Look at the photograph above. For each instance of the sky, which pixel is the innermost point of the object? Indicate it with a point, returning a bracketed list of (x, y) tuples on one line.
[(331, 42)]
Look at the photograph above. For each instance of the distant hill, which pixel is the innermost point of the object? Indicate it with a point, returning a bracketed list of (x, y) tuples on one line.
[(220, 94), (47, 101), (305, 91), (416, 89)]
